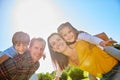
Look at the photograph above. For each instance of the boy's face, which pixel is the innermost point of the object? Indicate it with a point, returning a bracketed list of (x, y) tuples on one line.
[(67, 34), (21, 48)]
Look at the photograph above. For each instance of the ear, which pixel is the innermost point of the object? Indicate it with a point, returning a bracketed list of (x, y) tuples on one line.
[(54, 49)]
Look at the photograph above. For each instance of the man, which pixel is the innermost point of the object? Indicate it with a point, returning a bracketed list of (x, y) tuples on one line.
[(21, 67)]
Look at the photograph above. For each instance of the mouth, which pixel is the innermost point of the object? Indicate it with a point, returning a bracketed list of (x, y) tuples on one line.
[(20, 52)]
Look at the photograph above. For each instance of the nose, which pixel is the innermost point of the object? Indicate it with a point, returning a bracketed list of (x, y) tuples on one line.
[(21, 48), (40, 52), (68, 36)]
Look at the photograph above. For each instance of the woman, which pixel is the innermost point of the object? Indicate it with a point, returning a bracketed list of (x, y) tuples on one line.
[(86, 56)]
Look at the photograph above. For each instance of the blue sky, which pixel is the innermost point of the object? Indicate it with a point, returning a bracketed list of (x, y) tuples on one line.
[(41, 17), (94, 16)]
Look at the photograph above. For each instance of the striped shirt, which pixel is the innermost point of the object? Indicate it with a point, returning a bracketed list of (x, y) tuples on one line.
[(21, 67)]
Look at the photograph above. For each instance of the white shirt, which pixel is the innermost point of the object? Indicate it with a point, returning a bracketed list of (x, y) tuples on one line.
[(90, 38)]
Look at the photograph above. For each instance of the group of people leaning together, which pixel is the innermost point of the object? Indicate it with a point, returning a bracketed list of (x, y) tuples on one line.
[(67, 47)]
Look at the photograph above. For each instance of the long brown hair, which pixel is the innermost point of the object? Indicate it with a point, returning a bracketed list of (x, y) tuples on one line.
[(57, 58)]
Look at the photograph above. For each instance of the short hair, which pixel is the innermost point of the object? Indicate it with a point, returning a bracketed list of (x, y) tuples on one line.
[(37, 39), (20, 37)]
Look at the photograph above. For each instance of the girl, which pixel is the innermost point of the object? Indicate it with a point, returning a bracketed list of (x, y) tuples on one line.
[(70, 35)]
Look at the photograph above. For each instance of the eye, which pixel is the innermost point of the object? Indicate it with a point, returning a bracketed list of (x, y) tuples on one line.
[(42, 49), (17, 45), (58, 39), (53, 44), (70, 31), (36, 48), (65, 35)]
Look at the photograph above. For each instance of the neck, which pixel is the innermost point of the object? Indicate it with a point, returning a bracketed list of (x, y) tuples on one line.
[(69, 43), (66, 51), (73, 45), (69, 52)]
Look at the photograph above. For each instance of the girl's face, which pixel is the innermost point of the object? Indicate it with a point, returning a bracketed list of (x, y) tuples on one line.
[(57, 43), (67, 34)]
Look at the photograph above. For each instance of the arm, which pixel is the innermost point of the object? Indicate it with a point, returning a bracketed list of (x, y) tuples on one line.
[(91, 77), (91, 39), (113, 52), (101, 40), (6, 54), (107, 41), (57, 78), (3, 58), (11, 52), (87, 37), (58, 73)]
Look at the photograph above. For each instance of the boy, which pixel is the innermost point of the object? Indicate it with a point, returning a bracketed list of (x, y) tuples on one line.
[(20, 42)]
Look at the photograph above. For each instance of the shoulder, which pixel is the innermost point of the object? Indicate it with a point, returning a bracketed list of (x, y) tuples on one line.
[(36, 66), (11, 51), (81, 32)]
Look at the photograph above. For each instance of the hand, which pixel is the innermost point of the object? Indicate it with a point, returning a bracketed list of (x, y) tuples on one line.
[(57, 78), (107, 43), (110, 42), (103, 43), (91, 77)]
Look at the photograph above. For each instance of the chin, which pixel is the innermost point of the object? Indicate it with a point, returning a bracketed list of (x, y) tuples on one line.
[(37, 59), (70, 41)]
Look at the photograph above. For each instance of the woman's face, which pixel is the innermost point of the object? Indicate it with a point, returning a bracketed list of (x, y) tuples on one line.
[(57, 43), (67, 34)]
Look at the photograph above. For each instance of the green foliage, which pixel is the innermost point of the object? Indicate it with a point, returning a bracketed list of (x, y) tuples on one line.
[(117, 46), (64, 76), (53, 74), (71, 73), (76, 74), (43, 76)]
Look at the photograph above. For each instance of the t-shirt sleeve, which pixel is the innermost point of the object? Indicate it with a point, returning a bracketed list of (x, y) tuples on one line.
[(11, 52)]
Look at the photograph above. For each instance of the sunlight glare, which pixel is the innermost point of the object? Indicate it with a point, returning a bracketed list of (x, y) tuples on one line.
[(38, 18)]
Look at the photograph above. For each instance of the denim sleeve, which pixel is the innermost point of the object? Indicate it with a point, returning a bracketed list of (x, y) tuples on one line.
[(1, 54)]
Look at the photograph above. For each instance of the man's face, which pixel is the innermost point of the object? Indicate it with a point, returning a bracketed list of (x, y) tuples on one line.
[(36, 50)]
